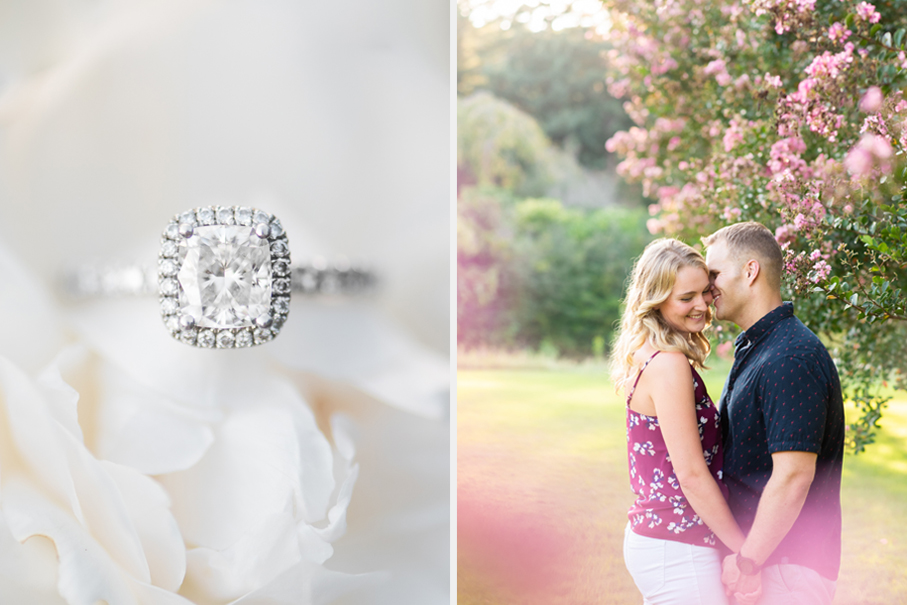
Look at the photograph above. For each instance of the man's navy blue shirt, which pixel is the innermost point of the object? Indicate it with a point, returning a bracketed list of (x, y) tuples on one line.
[(783, 394)]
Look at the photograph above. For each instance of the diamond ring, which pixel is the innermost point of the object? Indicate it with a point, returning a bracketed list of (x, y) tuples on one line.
[(224, 277)]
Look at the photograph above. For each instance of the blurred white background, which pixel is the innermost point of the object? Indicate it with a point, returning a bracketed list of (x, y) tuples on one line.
[(117, 114)]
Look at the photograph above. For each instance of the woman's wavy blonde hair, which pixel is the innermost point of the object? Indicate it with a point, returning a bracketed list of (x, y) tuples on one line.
[(651, 283)]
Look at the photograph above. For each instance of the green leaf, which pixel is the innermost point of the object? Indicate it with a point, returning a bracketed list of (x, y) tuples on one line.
[(848, 21), (854, 299), (886, 39), (899, 36), (875, 29)]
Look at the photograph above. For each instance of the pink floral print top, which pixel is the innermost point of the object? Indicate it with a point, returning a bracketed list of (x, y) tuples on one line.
[(661, 510)]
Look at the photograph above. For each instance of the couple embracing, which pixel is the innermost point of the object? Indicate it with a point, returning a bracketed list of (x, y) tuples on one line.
[(738, 502)]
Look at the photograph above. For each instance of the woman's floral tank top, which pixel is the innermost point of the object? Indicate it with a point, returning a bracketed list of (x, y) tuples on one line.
[(661, 510)]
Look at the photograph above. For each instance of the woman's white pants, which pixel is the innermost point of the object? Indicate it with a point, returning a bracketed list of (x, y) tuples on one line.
[(674, 573)]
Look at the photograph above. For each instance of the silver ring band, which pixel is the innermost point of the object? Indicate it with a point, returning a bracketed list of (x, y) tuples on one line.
[(317, 278), (223, 277)]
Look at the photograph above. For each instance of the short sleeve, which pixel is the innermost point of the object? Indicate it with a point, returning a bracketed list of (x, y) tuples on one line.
[(794, 404)]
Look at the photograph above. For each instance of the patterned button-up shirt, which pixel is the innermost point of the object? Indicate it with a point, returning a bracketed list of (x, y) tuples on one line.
[(783, 394)]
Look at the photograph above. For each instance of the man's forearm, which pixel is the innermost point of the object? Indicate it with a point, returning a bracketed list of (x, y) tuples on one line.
[(778, 509)]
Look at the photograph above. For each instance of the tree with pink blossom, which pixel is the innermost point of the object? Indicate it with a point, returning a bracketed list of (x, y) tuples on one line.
[(791, 113)]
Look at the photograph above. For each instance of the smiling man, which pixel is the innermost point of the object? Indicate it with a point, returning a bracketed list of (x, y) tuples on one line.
[(782, 420)]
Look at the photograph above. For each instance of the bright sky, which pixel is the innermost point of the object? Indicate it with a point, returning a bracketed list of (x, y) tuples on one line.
[(538, 15)]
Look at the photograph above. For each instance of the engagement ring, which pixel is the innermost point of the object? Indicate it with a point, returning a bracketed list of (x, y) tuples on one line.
[(224, 277)]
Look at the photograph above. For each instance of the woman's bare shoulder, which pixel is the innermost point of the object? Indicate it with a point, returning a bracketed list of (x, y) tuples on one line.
[(670, 370), (669, 365), (664, 359)]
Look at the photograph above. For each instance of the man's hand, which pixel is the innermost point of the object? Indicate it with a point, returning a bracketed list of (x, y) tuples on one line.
[(746, 589), (729, 573)]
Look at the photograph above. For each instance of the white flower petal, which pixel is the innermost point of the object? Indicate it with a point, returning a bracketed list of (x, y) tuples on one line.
[(398, 518), (31, 441), (31, 331), (62, 400), (313, 585), (106, 514), (141, 428), (215, 576), (65, 467), (266, 453), (87, 574), (148, 594), (129, 335), (312, 546), (341, 429), (355, 344), (28, 572), (149, 510)]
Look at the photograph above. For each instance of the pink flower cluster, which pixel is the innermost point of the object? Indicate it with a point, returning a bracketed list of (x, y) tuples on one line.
[(732, 136), (870, 155), (838, 33), (820, 271), (824, 120), (718, 68), (872, 100), (638, 50), (773, 81), (809, 104), (814, 267), (830, 66), (785, 156), (674, 203), (785, 233), (793, 263), (786, 12), (815, 213), (721, 163), (868, 12)]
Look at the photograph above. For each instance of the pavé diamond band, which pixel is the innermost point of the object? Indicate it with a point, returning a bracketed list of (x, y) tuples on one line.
[(224, 277)]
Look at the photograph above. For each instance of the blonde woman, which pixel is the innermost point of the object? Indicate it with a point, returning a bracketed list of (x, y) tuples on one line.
[(673, 433)]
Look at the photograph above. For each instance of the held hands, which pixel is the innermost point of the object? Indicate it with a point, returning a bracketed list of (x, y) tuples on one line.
[(745, 589)]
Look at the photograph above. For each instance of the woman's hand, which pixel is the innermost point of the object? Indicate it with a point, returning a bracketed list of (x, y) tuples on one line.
[(746, 589)]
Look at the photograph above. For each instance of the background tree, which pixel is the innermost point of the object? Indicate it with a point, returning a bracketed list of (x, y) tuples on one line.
[(571, 265), (500, 146), (557, 77), (791, 113), (533, 273), (486, 278), (469, 61)]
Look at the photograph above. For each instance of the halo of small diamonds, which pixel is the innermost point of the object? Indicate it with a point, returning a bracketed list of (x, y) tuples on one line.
[(265, 236)]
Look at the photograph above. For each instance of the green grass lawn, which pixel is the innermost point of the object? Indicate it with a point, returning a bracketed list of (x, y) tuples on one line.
[(542, 493)]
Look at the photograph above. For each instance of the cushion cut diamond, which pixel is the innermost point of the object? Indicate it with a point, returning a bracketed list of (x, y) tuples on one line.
[(224, 276)]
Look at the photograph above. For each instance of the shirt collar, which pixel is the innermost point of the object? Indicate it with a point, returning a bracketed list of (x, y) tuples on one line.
[(765, 325)]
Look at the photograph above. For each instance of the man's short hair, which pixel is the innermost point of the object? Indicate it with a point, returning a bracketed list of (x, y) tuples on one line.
[(752, 240)]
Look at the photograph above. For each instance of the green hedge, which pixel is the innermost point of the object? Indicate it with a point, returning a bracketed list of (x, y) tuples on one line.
[(533, 273)]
